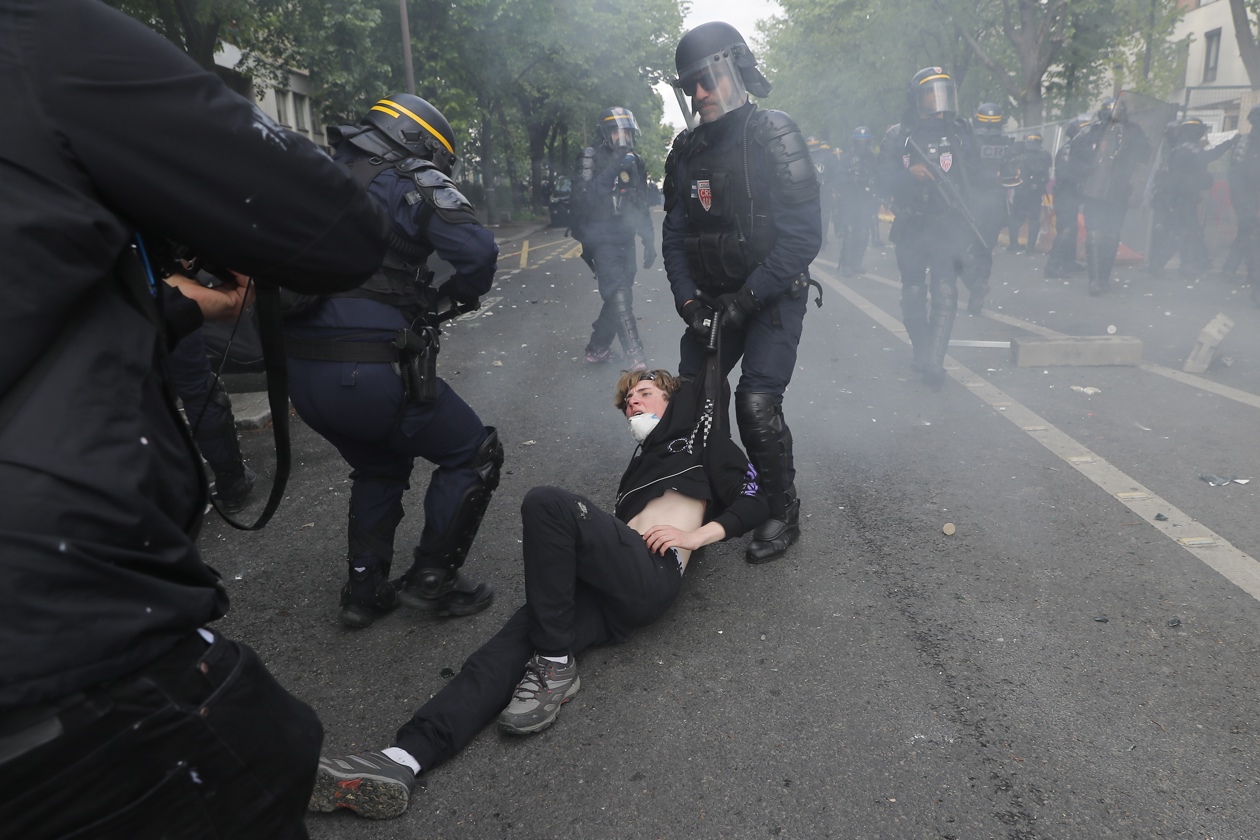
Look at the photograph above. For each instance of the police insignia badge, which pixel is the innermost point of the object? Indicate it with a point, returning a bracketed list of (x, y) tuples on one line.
[(947, 160), (705, 193), (905, 161)]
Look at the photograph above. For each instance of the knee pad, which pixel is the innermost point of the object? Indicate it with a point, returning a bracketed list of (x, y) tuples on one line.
[(450, 549)]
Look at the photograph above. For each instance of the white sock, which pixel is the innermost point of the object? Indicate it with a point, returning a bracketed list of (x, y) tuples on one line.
[(559, 660), (403, 757)]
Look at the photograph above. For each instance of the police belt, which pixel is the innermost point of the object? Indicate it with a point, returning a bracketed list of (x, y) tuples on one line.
[(375, 352)]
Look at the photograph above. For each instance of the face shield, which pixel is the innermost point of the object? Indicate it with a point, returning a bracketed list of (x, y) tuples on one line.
[(937, 95), (714, 85), (619, 131)]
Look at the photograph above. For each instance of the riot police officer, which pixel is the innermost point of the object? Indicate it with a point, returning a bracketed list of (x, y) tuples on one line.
[(995, 151), (742, 224), (933, 162), (826, 166), (1179, 187), (1244, 195), (1103, 158), (610, 200), (1067, 206), (1034, 175), (362, 369), (856, 198)]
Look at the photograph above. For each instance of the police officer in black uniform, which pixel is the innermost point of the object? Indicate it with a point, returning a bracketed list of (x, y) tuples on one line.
[(1179, 187), (1244, 195), (931, 180), (1061, 261), (1034, 174), (362, 369), (826, 164), (742, 225), (856, 197), (611, 206), (1104, 155), (995, 152)]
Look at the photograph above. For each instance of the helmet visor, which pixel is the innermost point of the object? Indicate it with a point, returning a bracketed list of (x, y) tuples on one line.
[(619, 130), (937, 95), (715, 86)]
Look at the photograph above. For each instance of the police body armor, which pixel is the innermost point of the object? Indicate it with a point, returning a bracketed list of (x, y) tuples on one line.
[(1109, 150), (944, 154), (999, 165)]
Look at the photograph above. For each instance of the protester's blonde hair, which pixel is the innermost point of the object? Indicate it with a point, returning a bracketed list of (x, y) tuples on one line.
[(663, 379)]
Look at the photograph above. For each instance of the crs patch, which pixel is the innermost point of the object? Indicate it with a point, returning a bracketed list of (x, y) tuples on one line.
[(947, 161), (905, 161), (702, 191)]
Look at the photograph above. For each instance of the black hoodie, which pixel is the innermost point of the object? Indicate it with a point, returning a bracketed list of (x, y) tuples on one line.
[(716, 471)]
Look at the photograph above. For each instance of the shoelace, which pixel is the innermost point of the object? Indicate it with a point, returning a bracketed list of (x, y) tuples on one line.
[(532, 683)]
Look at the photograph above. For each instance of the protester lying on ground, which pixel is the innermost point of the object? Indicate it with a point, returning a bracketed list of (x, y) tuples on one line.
[(590, 577)]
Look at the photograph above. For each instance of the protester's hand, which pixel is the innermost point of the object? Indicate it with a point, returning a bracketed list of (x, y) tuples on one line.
[(222, 303), (661, 538), (649, 254)]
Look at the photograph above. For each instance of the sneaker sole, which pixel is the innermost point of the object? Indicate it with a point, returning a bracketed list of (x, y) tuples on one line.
[(514, 729), (376, 799)]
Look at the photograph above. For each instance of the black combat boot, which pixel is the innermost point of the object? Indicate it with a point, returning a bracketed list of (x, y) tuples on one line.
[(443, 591), (768, 442), (367, 596)]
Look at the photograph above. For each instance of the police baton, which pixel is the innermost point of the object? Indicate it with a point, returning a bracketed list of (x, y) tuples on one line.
[(715, 332)]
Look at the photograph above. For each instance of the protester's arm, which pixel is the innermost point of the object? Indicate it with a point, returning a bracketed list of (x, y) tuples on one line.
[(172, 150), (661, 538)]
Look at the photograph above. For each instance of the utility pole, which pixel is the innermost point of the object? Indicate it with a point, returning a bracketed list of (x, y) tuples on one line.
[(406, 45)]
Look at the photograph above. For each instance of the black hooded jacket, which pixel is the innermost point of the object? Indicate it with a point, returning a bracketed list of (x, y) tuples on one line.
[(674, 458)]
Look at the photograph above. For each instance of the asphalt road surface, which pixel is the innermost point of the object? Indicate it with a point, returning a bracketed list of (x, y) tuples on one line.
[(1079, 659)]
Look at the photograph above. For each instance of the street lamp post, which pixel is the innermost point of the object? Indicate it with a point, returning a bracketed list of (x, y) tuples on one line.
[(406, 45)]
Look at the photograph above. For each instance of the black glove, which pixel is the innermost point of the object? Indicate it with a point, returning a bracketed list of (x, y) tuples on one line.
[(450, 291), (737, 307), (699, 318), (649, 254)]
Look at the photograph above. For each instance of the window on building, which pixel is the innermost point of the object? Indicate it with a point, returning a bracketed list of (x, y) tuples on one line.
[(282, 105), (1211, 55), (299, 112)]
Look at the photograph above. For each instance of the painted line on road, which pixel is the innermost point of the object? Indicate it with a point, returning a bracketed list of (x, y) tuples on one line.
[(572, 252), (484, 309), (525, 254), (1211, 548), (1235, 394)]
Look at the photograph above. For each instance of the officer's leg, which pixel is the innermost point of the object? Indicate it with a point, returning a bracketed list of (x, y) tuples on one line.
[(604, 328), (990, 217), (1056, 264), (946, 265), (1034, 224), (1094, 212), (1163, 238), (209, 413), (912, 261), (621, 302), (769, 358), (468, 457), (1240, 249), (1194, 254), (1109, 241)]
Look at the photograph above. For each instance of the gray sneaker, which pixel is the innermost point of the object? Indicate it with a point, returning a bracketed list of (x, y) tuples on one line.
[(371, 784), (545, 687)]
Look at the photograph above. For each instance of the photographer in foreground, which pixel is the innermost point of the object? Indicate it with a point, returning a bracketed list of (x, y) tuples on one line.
[(120, 715)]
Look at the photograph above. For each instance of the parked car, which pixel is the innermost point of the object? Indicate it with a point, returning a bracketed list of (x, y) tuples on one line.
[(558, 203)]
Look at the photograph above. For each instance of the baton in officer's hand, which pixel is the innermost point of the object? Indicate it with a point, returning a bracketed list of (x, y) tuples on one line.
[(715, 328)]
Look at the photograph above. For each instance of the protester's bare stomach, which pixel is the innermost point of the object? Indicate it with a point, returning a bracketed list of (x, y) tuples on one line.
[(671, 508)]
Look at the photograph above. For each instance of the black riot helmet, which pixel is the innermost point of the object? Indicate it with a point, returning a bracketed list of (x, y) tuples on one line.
[(709, 56), (413, 125), (1113, 110), (1191, 130), (862, 138), (932, 92), (617, 128), (989, 118), (1033, 142)]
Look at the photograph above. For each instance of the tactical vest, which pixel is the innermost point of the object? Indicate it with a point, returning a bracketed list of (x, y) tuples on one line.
[(730, 225), (404, 275), (944, 153), (994, 151)]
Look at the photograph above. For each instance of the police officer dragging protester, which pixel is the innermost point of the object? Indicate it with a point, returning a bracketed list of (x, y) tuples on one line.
[(742, 224), (933, 227), (610, 206), (857, 201), (990, 182), (1179, 186), (362, 369), (1034, 165)]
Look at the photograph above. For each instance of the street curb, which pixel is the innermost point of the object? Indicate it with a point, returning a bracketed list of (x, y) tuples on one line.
[(251, 410)]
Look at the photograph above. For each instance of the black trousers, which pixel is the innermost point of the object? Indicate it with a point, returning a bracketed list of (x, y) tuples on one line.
[(202, 744), (614, 269), (1067, 206), (589, 579)]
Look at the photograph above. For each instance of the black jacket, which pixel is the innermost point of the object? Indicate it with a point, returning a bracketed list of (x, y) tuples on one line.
[(108, 128), (717, 472)]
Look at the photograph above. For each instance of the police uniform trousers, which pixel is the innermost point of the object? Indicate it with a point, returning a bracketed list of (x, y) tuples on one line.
[(201, 744), (1176, 230), (1026, 208), (207, 407), (935, 248), (1104, 219), (1247, 215), (589, 579), (854, 223), (991, 216), (614, 266), (1067, 206), (360, 408)]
